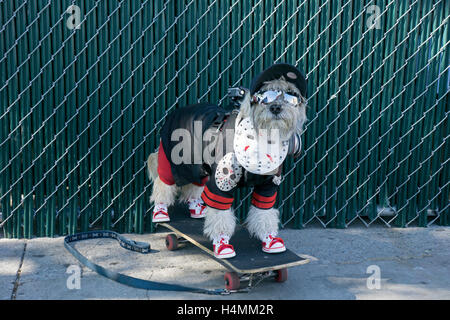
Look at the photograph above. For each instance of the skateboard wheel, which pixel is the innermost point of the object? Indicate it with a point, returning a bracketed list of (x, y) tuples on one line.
[(171, 242), (232, 281), (281, 275)]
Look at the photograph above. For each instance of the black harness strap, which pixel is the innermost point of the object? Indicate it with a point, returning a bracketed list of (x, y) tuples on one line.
[(141, 247)]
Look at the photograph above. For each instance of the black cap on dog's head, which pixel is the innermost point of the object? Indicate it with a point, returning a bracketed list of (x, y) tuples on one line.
[(289, 72)]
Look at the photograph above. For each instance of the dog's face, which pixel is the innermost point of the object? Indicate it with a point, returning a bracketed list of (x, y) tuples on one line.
[(279, 114)]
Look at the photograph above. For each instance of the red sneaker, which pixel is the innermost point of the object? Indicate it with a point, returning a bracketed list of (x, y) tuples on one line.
[(160, 213), (222, 249), (273, 244)]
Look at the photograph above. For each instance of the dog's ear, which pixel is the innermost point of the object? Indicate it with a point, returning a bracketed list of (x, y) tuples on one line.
[(301, 117)]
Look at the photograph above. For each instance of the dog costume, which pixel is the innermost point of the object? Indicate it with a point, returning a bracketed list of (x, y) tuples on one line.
[(236, 155)]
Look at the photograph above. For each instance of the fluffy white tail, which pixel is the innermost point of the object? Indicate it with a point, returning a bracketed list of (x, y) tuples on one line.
[(152, 166)]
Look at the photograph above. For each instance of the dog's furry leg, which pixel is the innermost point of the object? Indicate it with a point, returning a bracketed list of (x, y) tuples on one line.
[(261, 222), (190, 191), (219, 222), (161, 193)]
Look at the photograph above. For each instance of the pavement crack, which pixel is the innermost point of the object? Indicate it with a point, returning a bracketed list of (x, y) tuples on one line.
[(19, 272)]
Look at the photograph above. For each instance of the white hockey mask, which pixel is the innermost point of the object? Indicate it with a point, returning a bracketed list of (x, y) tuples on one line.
[(228, 172), (259, 153)]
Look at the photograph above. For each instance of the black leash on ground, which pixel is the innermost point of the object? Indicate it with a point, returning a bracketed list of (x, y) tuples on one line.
[(141, 247)]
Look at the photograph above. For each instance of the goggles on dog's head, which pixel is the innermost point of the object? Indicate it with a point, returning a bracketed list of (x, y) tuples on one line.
[(272, 95)]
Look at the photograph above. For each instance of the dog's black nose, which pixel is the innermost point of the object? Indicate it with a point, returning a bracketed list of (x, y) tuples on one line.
[(275, 109)]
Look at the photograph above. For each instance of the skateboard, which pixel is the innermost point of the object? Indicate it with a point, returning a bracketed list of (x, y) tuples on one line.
[(250, 264)]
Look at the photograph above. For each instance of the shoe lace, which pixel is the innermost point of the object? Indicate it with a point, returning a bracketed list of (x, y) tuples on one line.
[(273, 239), (160, 206), (160, 209), (223, 244), (222, 240), (196, 202)]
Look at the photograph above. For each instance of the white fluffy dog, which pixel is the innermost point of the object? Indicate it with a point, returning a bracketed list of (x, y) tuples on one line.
[(276, 102)]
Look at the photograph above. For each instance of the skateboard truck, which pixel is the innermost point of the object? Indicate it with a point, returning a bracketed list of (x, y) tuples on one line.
[(233, 280)]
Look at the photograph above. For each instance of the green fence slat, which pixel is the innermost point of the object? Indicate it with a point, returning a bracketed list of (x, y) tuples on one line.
[(45, 201), (59, 109), (224, 56), (180, 38), (443, 209), (353, 108), (245, 34), (191, 49), (322, 121), (156, 100), (408, 189), (389, 44), (438, 66), (73, 75), (279, 37), (58, 96), (235, 42), (50, 208), (269, 32), (394, 136), (342, 96), (106, 115), (138, 158), (430, 89), (98, 104), (364, 117), (7, 67), (300, 44), (331, 164), (147, 96), (204, 10), (310, 51), (90, 175), (375, 116), (126, 102), (33, 168), (118, 48), (257, 31), (8, 92), (85, 110), (24, 149)]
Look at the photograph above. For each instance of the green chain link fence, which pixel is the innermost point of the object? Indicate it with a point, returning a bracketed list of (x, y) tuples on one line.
[(86, 84)]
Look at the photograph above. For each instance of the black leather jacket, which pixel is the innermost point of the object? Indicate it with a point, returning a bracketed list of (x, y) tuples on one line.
[(208, 127)]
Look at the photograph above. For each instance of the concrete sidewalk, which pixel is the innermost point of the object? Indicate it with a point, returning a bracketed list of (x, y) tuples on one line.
[(414, 263)]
